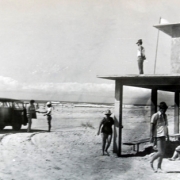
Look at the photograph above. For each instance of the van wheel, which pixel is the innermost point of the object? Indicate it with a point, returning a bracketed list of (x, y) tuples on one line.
[(16, 127), (2, 127)]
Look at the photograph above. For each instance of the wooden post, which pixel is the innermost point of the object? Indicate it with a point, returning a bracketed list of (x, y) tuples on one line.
[(156, 48), (176, 112), (117, 140), (153, 101)]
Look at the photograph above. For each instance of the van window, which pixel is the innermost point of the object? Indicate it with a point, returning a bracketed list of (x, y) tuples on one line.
[(17, 105), (1, 104), (7, 104)]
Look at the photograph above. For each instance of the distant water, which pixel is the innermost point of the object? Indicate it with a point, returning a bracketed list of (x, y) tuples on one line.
[(91, 105)]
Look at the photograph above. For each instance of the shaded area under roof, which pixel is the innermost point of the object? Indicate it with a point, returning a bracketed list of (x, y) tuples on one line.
[(160, 82), (172, 30)]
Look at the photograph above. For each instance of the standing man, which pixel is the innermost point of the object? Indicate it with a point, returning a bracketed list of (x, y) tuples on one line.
[(140, 56), (159, 133), (106, 131), (31, 114), (48, 114)]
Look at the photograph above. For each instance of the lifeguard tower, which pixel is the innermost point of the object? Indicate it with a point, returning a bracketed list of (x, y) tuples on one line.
[(170, 83)]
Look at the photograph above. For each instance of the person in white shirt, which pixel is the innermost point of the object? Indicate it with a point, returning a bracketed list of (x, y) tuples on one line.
[(48, 113), (140, 56), (158, 134)]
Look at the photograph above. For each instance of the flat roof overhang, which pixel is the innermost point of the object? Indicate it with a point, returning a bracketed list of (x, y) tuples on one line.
[(160, 82), (172, 30)]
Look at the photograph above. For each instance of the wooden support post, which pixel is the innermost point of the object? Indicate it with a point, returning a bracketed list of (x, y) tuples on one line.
[(153, 101), (137, 148), (176, 112), (117, 140)]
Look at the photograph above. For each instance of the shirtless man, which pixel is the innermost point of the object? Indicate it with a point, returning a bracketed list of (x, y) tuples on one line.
[(106, 131)]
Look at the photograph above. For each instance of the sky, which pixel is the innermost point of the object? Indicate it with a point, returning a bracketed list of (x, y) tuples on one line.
[(55, 49)]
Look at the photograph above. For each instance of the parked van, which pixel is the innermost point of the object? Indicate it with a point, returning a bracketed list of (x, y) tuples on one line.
[(12, 113)]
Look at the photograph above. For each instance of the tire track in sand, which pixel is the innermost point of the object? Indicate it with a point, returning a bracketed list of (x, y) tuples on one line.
[(3, 136), (31, 136)]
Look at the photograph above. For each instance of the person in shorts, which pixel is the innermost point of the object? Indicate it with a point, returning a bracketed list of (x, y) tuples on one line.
[(31, 114), (105, 127), (48, 114), (159, 133), (176, 154)]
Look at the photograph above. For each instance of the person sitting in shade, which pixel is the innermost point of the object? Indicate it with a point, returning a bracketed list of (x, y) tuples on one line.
[(176, 154), (106, 131)]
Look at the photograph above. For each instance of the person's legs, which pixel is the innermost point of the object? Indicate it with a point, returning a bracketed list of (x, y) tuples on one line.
[(158, 154), (29, 124), (176, 154), (162, 147), (109, 138), (49, 123), (104, 137), (140, 66)]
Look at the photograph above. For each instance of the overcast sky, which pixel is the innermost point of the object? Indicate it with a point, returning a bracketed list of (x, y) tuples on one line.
[(67, 43)]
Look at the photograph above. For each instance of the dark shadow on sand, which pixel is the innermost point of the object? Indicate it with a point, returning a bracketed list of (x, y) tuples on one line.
[(172, 171), (8, 131), (146, 151), (170, 147)]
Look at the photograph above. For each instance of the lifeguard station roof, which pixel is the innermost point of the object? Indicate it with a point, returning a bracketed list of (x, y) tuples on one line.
[(160, 82), (172, 30)]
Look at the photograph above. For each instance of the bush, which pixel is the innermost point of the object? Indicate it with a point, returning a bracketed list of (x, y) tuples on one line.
[(87, 124)]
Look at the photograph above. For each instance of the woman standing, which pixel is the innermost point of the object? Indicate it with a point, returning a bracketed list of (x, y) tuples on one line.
[(106, 131)]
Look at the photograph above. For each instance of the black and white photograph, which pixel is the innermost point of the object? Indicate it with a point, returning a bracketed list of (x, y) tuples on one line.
[(89, 89)]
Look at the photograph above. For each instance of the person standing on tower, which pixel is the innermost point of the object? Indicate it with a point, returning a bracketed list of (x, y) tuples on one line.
[(140, 56)]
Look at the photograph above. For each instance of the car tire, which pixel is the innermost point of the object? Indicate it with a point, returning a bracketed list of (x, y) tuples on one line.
[(2, 127), (17, 127)]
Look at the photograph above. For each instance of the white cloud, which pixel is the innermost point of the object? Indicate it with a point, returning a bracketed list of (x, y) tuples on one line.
[(73, 91), (70, 87), (7, 83)]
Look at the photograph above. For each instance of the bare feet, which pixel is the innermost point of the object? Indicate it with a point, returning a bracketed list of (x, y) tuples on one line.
[(107, 153), (159, 170), (171, 159), (152, 167)]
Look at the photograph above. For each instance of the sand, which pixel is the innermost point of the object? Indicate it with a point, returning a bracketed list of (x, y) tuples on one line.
[(73, 151)]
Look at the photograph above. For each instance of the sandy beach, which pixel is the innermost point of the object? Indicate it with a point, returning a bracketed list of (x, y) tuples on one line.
[(73, 150)]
